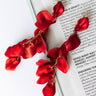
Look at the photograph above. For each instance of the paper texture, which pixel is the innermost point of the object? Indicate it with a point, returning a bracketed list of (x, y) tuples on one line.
[(81, 77)]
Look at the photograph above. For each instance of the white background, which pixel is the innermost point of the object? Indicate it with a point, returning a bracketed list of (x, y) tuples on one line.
[(15, 25)]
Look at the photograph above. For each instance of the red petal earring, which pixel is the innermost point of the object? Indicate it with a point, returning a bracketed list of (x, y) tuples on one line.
[(28, 48), (58, 59)]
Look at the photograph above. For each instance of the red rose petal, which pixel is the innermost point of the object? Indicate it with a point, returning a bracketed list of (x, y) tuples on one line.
[(12, 63), (73, 42), (82, 24), (44, 69), (52, 60), (49, 89), (43, 34), (45, 78), (42, 62), (58, 9), (14, 51), (40, 45), (22, 43), (29, 50), (53, 71), (62, 64), (44, 20), (53, 53), (36, 31), (63, 51)]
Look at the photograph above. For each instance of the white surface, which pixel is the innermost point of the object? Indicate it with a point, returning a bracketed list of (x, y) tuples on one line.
[(15, 25)]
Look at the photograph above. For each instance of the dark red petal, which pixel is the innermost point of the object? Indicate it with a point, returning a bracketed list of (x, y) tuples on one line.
[(73, 42), (52, 60), (62, 64), (43, 32), (53, 53), (63, 51), (44, 20), (36, 31), (12, 63), (58, 9), (29, 50), (49, 89), (45, 78), (14, 51), (82, 24), (44, 69), (40, 45), (53, 71), (22, 43), (42, 62)]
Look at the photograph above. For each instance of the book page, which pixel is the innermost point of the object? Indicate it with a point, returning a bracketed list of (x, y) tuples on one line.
[(39, 5), (80, 79)]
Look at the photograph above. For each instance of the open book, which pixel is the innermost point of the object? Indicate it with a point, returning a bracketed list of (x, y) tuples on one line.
[(80, 80)]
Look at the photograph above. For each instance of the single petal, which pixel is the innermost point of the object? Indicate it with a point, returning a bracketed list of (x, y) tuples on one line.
[(73, 42), (49, 89), (44, 69), (53, 53), (29, 50), (44, 20), (62, 64), (22, 43), (43, 32), (45, 78), (12, 63), (36, 31), (14, 51), (42, 62), (63, 51), (82, 24), (58, 9), (53, 60), (40, 45), (53, 71)]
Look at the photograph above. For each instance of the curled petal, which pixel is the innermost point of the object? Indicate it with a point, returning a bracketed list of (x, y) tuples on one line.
[(29, 50), (63, 51), (43, 32), (14, 51), (44, 20), (62, 64), (73, 42), (44, 69), (53, 53), (12, 63), (45, 78), (42, 62), (49, 89), (40, 45), (82, 24), (58, 9)]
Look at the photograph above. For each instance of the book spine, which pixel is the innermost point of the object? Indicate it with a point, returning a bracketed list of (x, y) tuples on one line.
[(32, 9)]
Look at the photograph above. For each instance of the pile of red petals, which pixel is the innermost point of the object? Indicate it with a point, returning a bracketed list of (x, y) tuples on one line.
[(46, 74), (58, 59), (44, 19), (26, 49)]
